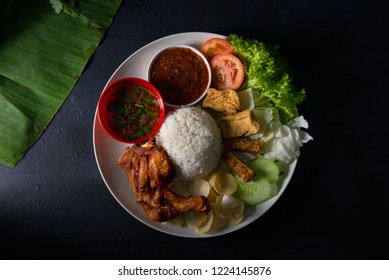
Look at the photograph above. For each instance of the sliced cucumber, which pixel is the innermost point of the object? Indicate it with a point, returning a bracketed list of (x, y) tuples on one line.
[(256, 191), (267, 168), (263, 186), (246, 99)]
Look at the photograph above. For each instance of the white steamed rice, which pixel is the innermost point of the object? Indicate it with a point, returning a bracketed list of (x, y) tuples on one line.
[(193, 141)]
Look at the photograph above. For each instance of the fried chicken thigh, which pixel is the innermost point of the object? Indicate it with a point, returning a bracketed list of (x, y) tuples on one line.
[(150, 171)]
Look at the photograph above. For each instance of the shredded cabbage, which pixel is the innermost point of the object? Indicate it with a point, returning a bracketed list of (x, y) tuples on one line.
[(282, 142)]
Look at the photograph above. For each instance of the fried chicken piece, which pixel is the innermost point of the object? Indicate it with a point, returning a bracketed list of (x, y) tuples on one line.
[(244, 145), (244, 172), (149, 171), (241, 124), (225, 101)]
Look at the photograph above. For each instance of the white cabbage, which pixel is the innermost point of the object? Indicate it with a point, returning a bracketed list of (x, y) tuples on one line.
[(282, 142)]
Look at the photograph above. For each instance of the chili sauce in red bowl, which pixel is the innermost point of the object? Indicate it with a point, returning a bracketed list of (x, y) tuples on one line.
[(131, 110)]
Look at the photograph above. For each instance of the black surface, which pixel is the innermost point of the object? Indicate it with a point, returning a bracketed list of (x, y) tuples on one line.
[(54, 204)]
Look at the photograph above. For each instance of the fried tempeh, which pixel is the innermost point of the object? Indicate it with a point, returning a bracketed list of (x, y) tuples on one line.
[(244, 172), (244, 145), (241, 124), (225, 101)]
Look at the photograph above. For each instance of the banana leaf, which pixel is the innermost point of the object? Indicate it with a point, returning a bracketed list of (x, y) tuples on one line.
[(43, 51)]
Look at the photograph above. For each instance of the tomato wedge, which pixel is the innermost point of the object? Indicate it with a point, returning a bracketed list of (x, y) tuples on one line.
[(227, 72), (215, 46)]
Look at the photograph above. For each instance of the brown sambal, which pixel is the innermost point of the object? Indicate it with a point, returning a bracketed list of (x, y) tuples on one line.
[(180, 75)]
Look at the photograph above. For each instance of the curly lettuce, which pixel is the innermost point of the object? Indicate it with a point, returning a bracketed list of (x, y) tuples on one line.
[(268, 73)]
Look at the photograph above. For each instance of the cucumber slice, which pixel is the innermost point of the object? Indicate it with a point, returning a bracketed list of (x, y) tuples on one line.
[(267, 168), (256, 191), (246, 99), (263, 186)]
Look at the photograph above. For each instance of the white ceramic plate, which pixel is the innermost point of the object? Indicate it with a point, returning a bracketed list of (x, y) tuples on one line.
[(107, 150)]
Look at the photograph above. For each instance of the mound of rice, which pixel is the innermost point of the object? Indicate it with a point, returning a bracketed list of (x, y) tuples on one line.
[(193, 141)]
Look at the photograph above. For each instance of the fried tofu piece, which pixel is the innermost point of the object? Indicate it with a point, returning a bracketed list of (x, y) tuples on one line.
[(225, 101), (244, 145), (244, 172), (241, 124)]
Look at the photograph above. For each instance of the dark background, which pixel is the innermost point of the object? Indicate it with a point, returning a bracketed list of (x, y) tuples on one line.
[(55, 205)]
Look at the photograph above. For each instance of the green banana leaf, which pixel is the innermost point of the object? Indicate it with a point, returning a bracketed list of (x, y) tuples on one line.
[(42, 55)]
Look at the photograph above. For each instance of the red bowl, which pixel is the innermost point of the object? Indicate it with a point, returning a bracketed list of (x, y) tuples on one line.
[(131, 110)]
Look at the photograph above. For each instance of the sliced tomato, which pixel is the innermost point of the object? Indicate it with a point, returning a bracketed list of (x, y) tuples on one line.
[(215, 46), (227, 72)]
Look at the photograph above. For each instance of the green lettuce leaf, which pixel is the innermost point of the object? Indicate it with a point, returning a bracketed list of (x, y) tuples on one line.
[(268, 73)]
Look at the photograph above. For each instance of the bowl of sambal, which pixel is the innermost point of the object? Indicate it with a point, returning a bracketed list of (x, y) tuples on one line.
[(181, 74)]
